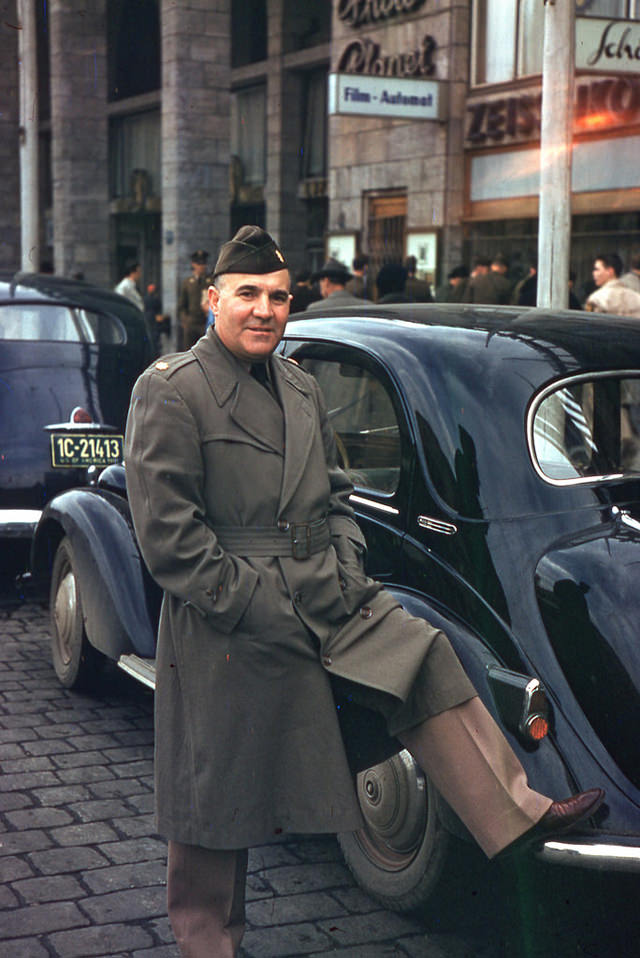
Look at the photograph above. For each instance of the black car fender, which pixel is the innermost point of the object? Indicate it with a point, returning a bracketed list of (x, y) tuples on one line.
[(119, 600), (545, 768)]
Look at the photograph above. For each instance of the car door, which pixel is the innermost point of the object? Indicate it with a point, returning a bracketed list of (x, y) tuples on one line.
[(374, 444)]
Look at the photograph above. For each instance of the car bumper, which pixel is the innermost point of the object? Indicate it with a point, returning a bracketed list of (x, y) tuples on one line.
[(606, 853), (18, 523)]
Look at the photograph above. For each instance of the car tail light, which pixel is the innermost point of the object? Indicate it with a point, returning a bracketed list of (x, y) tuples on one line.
[(536, 727), (522, 704), (80, 415)]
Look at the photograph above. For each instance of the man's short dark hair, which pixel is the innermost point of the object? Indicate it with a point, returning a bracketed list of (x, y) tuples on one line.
[(411, 264), (130, 266), (360, 262), (611, 261), (458, 272)]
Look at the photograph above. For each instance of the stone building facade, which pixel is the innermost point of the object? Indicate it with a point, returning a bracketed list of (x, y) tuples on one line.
[(234, 128), (342, 126)]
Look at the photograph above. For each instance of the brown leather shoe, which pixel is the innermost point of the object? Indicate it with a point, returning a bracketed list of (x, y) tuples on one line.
[(562, 816), (559, 817)]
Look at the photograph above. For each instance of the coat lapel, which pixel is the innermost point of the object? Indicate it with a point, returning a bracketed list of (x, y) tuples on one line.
[(252, 409), (299, 427)]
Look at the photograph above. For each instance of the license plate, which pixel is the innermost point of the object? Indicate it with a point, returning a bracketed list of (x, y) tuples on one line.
[(84, 449)]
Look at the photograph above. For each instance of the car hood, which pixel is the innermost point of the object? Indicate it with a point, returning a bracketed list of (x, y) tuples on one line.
[(588, 592)]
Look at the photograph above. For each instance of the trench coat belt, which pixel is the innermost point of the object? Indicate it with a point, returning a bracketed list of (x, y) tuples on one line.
[(296, 539)]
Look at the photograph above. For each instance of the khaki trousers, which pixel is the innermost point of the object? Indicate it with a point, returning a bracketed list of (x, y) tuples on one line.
[(205, 899), (470, 762), (462, 751)]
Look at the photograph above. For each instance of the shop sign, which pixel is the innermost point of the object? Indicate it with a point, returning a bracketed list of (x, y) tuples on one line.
[(607, 45), (385, 97), (358, 12), (603, 104), (364, 56)]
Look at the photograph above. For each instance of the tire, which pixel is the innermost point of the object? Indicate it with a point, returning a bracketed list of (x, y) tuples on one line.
[(399, 856), (75, 661)]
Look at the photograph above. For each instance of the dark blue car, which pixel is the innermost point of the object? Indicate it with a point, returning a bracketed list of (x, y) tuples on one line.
[(495, 457), (69, 355)]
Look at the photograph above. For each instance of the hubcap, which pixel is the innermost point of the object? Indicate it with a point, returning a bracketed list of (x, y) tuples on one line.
[(65, 615), (393, 799)]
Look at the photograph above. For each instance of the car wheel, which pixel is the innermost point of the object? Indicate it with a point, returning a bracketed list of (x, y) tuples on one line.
[(75, 661), (398, 856)]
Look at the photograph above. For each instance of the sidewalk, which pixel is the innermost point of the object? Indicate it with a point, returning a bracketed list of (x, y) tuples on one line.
[(82, 872)]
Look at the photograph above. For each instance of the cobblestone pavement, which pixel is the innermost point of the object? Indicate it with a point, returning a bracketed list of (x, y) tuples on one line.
[(82, 872)]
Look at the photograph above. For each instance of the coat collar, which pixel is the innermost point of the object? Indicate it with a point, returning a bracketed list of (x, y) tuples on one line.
[(229, 380)]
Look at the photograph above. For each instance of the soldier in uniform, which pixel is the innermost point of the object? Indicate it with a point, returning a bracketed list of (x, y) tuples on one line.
[(190, 310), (243, 516)]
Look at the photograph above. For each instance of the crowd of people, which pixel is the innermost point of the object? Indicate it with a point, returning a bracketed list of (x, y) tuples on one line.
[(490, 281)]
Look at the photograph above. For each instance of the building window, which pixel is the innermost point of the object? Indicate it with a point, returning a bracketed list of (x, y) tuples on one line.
[(134, 151), (313, 151), (133, 48), (306, 24), (248, 32), (248, 132), (508, 34)]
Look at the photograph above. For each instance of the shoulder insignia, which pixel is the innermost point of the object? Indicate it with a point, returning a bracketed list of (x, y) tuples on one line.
[(290, 359), (162, 366)]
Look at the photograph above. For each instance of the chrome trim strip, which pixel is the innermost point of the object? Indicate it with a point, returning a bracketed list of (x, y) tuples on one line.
[(623, 858), (18, 523), (372, 504), (436, 525), (143, 670)]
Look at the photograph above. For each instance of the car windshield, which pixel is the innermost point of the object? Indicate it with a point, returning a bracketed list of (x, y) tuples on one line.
[(33, 322), (587, 428)]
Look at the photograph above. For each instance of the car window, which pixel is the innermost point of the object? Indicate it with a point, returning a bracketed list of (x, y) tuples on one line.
[(366, 426), (32, 322), (587, 428)]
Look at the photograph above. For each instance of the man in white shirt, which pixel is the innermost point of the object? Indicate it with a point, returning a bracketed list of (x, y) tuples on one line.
[(612, 295), (128, 285)]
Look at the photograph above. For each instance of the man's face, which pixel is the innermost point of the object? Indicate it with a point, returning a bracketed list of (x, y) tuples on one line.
[(251, 312), (601, 273), (199, 269)]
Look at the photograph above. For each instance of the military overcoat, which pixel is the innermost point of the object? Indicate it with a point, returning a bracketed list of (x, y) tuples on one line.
[(247, 740)]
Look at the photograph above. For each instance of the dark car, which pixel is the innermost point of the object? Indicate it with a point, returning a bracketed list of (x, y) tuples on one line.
[(495, 457), (69, 355)]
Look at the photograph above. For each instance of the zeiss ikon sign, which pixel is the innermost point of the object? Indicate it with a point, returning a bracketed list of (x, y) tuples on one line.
[(384, 97)]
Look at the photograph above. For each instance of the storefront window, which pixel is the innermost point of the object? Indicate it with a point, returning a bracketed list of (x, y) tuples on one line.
[(134, 152), (248, 109), (508, 34), (314, 138)]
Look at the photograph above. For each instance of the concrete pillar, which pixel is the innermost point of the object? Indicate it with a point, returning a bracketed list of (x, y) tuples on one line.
[(196, 44), (9, 144), (451, 244), (79, 139), (285, 214)]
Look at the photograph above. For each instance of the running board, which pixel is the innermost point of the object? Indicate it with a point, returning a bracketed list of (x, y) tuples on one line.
[(143, 670)]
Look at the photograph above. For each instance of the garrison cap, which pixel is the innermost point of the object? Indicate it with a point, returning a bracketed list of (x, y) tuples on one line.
[(200, 256), (251, 250)]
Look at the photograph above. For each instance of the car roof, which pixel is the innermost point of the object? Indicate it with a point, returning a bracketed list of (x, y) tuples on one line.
[(43, 287), (560, 341)]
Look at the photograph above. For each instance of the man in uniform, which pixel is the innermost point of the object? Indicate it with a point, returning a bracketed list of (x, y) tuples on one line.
[(190, 307), (243, 517)]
